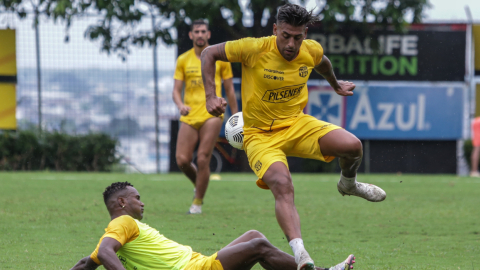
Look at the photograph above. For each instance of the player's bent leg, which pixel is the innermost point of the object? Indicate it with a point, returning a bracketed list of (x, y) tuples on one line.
[(348, 149), (252, 234), (186, 141), (279, 180)]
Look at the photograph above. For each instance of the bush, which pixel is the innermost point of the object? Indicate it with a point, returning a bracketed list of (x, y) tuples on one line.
[(26, 150)]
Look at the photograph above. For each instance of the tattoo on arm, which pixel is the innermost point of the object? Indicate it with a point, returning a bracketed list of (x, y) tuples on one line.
[(221, 52)]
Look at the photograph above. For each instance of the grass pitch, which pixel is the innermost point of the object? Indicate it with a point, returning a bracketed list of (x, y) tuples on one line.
[(51, 220)]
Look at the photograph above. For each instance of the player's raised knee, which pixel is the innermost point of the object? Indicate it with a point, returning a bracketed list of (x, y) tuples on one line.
[(353, 147), (252, 234), (261, 245)]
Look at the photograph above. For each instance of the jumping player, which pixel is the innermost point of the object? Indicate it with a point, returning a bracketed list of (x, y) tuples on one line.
[(275, 71), (197, 125)]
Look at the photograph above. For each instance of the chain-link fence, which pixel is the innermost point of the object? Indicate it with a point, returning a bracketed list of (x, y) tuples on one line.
[(84, 90)]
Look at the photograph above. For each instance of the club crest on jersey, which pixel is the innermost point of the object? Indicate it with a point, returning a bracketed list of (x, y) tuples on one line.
[(303, 71), (258, 165), (283, 94)]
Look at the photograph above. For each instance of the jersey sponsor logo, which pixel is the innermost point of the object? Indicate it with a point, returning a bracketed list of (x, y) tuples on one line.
[(283, 94), (273, 71), (191, 70), (303, 71), (196, 82), (273, 77), (258, 165)]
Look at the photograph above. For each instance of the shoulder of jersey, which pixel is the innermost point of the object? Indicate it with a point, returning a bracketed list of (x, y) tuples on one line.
[(310, 43), (184, 55), (261, 42)]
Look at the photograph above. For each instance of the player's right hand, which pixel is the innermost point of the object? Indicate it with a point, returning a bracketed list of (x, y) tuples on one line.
[(184, 110), (216, 106)]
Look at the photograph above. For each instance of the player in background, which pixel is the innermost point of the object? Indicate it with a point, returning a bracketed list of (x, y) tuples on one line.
[(130, 244), (197, 125), (275, 71), (476, 147)]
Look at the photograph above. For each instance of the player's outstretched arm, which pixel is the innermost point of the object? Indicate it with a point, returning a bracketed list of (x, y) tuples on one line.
[(343, 88), (230, 93), (107, 254), (85, 264), (210, 55)]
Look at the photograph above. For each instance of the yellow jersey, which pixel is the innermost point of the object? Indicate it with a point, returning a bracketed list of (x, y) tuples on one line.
[(143, 247), (189, 70), (274, 90)]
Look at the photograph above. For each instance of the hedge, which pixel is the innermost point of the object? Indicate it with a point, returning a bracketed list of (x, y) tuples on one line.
[(27, 150)]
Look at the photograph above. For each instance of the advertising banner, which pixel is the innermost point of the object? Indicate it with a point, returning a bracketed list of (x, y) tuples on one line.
[(393, 112), (427, 52), (8, 78), (7, 106)]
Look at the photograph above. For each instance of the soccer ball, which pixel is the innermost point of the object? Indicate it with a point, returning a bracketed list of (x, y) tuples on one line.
[(234, 130)]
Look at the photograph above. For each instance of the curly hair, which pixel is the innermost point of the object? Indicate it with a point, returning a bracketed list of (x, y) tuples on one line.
[(113, 188), (295, 15)]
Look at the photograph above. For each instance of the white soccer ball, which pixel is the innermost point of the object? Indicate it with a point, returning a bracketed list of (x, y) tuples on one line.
[(234, 130)]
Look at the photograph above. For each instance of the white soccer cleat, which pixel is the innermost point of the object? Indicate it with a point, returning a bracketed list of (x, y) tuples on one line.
[(304, 262), (369, 192), (195, 209), (345, 265)]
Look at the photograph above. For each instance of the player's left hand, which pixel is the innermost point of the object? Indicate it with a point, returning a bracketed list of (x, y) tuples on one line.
[(346, 88), (216, 106)]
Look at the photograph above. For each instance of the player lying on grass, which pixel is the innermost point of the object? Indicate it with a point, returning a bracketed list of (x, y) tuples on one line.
[(133, 245)]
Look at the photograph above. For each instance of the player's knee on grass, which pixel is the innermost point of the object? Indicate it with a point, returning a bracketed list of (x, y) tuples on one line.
[(261, 246), (252, 234)]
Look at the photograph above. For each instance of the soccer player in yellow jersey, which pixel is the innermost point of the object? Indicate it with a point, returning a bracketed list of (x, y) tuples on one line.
[(275, 71), (197, 125), (133, 245)]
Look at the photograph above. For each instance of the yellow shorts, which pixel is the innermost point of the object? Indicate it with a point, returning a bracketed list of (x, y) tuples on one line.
[(196, 123), (299, 140), (201, 262)]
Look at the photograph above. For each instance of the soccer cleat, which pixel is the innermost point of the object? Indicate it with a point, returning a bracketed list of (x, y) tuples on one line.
[(345, 265), (369, 192), (474, 174), (304, 262), (195, 209)]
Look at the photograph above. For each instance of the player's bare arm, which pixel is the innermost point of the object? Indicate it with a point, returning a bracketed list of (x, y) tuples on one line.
[(107, 254), (230, 93), (85, 264), (343, 88), (215, 105), (177, 97)]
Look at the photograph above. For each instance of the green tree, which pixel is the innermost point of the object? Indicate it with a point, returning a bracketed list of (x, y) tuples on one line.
[(118, 28)]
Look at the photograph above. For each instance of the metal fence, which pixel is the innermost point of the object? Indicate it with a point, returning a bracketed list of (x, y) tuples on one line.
[(84, 90)]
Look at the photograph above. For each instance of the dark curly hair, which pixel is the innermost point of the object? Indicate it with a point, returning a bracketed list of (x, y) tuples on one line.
[(113, 188), (295, 15)]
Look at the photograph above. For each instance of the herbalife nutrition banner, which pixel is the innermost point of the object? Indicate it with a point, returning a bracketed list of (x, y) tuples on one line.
[(8, 78), (425, 53)]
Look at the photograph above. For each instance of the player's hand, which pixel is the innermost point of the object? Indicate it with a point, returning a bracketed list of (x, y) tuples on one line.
[(346, 88), (216, 106), (184, 110)]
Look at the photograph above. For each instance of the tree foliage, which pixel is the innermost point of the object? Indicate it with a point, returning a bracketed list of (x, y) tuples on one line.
[(118, 28)]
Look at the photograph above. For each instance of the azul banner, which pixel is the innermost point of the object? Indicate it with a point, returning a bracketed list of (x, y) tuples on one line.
[(427, 52), (393, 112)]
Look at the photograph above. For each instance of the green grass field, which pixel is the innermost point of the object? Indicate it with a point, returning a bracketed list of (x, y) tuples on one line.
[(51, 220)]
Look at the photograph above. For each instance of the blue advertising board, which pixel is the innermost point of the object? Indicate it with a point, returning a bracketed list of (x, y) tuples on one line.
[(406, 112)]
